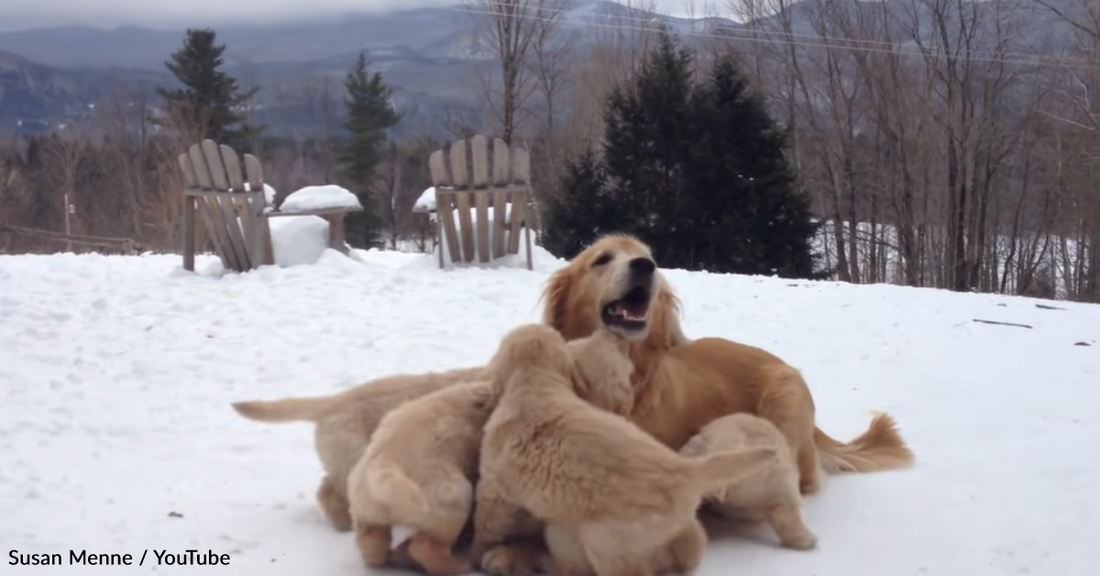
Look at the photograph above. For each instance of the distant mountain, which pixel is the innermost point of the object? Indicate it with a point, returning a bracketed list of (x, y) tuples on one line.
[(426, 54), (435, 33), (35, 98)]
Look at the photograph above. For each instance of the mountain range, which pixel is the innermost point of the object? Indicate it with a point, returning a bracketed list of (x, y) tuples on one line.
[(50, 76)]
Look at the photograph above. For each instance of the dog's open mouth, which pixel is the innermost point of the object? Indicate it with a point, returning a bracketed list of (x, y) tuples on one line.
[(629, 313)]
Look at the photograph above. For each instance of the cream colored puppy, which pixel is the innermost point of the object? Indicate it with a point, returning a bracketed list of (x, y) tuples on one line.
[(602, 371), (418, 471), (622, 493), (771, 494), (345, 422), (601, 376)]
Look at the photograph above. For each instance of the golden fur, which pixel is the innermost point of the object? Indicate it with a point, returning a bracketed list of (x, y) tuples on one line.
[(681, 385), (602, 371), (771, 494), (418, 471), (623, 494), (601, 377), (345, 422)]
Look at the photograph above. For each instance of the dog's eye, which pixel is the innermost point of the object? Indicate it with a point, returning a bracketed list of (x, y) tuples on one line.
[(602, 260)]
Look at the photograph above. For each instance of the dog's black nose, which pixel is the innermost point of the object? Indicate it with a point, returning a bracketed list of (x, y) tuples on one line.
[(642, 266)]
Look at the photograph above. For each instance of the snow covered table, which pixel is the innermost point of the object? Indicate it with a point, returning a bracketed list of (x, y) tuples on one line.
[(328, 201), (236, 211)]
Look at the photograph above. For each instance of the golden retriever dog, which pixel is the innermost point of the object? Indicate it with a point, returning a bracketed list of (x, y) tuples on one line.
[(418, 471), (680, 385), (602, 371), (772, 494), (345, 421), (601, 376), (682, 555), (593, 474)]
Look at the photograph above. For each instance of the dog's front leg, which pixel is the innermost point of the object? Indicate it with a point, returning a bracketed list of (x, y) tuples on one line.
[(507, 539)]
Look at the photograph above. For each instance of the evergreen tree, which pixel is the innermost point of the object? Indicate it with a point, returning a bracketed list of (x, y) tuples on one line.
[(370, 114), (758, 221), (697, 171), (648, 123), (209, 95), (582, 212)]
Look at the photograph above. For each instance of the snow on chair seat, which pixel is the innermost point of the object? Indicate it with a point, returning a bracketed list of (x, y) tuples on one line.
[(235, 212), (488, 235)]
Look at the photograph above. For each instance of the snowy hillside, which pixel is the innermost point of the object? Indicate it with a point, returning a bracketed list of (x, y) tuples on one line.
[(116, 434)]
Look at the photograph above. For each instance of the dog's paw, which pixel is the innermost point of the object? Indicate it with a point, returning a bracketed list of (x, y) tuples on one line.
[(805, 541), (510, 560), (808, 486)]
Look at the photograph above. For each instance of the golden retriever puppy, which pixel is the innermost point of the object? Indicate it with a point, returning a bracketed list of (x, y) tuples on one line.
[(601, 376), (344, 424), (680, 385), (622, 494), (602, 371), (418, 471), (681, 555), (772, 494)]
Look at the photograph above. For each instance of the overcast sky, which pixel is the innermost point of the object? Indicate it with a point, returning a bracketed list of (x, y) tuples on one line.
[(175, 14)]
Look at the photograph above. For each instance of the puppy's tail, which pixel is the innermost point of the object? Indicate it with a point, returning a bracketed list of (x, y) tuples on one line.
[(285, 410), (714, 472), (400, 497), (879, 448)]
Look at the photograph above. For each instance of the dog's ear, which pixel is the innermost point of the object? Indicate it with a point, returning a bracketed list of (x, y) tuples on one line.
[(556, 295), (665, 331)]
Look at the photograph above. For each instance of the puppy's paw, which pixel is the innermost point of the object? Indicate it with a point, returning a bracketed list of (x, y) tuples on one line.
[(510, 560), (809, 485), (804, 541)]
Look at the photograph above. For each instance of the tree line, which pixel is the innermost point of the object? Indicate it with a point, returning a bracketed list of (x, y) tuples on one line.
[(121, 174), (935, 142)]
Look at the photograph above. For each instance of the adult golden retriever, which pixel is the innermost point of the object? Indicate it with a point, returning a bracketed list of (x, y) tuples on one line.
[(682, 385)]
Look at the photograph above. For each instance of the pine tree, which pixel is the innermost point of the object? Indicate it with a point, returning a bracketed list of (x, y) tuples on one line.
[(370, 114), (741, 173), (209, 95), (697, 171), (582, 212), (648, 123)]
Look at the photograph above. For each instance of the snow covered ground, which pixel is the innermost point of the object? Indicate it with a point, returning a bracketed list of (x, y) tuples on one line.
[(116, 434)]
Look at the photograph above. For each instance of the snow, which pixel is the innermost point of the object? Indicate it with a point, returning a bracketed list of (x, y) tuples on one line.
[(117, 373), (426, 201), (298, 240), (269, 194), (319, 198)]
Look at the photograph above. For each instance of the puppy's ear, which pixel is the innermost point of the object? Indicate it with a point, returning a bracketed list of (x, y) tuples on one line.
[(556, 294)]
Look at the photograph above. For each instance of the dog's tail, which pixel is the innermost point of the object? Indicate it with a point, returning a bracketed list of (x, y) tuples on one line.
[(879, 448), (286, 410), (714, 472), (403, 501)]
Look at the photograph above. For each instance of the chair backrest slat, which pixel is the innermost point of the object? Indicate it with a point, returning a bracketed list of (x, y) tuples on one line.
[(490, 197)]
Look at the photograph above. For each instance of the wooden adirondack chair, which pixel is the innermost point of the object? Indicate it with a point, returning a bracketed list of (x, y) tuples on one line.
[(235, 211), (504, 184)]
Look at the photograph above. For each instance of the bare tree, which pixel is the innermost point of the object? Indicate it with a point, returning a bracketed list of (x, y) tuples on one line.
[(506, 31), (551, 49), (1080, 114)]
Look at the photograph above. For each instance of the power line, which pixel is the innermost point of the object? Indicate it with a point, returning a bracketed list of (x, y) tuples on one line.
[(652, 25)]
